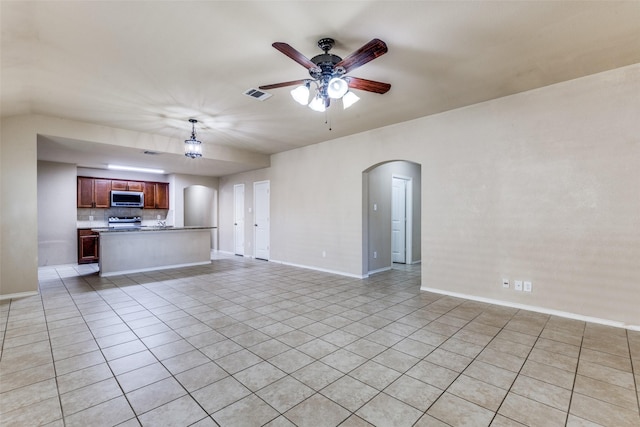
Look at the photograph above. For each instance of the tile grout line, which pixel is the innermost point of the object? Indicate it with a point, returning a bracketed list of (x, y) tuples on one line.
[(633, 372), (521, 367), (473, 360), (575, 375), (384, 300), (149, 349)]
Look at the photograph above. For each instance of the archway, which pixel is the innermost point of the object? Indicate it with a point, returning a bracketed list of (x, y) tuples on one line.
[(377, 215)]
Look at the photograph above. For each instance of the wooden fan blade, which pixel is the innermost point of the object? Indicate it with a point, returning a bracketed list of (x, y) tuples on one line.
[(283, 84), (366, 53), (368, 85), (294, 54)]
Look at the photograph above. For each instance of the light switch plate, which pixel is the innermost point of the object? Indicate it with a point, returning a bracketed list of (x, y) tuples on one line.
[(527, 287), (517, 285), (505, 283)]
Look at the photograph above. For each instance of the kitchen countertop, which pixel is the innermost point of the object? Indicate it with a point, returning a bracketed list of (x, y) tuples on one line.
[(149, 228)]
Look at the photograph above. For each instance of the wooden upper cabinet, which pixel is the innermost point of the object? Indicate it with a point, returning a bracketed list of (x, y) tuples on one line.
[(127, 185), (93, 192), (135, 185), (102, 195), (85, 192), (162, 195), (96, 192), (118, 185), (149, 195), (156, 195)]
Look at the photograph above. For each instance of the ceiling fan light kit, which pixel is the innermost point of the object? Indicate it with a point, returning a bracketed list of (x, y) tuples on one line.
[(301, 94), (337, 88), (318, 104), (328, 73)]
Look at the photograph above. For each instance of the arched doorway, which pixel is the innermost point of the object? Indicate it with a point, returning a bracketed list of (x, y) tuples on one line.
[(392, 198)]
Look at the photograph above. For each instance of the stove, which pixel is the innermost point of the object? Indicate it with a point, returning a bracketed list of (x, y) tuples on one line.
[(125, 222)]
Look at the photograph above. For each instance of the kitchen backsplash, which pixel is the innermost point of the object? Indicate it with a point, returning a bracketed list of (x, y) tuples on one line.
[(88, 217)]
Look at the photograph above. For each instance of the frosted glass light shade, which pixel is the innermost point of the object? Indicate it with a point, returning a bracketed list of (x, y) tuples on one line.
[(192, 148), (349, 99), (301, 95), (337, 87), (317, 104)]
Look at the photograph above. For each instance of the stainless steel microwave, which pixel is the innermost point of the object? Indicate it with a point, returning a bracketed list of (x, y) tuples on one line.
[(129, 199)]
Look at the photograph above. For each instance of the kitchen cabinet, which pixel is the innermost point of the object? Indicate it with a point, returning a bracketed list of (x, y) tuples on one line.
[(156, 195), (88, 246), (96, 192), (93, 192), (127, 185)]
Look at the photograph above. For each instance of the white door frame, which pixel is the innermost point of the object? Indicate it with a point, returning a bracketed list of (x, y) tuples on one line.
[(238, 219), (261, 227), (408, 241)]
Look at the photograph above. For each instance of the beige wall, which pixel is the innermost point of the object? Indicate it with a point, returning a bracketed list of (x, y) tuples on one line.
[(18, 208), (57, 200), (539, 186)]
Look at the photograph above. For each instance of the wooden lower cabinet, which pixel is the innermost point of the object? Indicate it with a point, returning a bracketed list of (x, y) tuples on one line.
[(88, 246)]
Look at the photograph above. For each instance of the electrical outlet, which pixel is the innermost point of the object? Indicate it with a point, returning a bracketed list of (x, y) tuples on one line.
[(528, 287), (90, 217), (375, 254), (158, 217), (517, 285), (324, 254), (505, 283)]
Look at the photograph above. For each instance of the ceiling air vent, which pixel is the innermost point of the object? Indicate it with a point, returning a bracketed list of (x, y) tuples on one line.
[(257, 94)]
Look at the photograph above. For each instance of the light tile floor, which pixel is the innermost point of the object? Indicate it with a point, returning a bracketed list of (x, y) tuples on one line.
[(242, 342)]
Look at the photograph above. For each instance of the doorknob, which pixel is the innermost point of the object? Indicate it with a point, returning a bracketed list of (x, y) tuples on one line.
[(255, 225)]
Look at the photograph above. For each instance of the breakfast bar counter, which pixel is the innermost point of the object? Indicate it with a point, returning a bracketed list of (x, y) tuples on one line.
[(134, 250)]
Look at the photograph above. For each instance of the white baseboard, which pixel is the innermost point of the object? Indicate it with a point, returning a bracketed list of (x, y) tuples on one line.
[(18, 295), (380, 270), (324, 270), (537, 309), (221, 252)]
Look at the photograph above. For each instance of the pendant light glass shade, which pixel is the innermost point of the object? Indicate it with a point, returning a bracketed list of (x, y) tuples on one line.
[(337, 87), (301, 94), (349, 99), (193, 147)]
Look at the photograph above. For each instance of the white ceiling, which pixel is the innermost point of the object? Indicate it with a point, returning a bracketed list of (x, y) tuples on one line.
[(149, 66)]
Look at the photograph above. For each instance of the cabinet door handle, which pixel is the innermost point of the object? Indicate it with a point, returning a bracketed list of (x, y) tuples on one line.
[(255, 225)]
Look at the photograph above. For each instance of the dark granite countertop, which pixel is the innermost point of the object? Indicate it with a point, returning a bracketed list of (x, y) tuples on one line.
[(149, 228)]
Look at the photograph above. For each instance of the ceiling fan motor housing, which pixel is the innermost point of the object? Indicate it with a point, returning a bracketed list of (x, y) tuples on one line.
[(326, 65)]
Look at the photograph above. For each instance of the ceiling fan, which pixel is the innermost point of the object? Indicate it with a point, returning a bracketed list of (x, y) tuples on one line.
[(329, 73)]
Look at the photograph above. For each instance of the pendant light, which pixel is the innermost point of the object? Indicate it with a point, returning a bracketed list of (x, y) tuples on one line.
[(193, 147)]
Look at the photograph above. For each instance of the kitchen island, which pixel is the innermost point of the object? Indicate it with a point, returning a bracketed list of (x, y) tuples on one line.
[(134, 250)]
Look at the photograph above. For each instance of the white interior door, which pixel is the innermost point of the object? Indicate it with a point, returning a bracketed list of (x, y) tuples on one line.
[(399, 220), (238, 219), (261, 219)]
